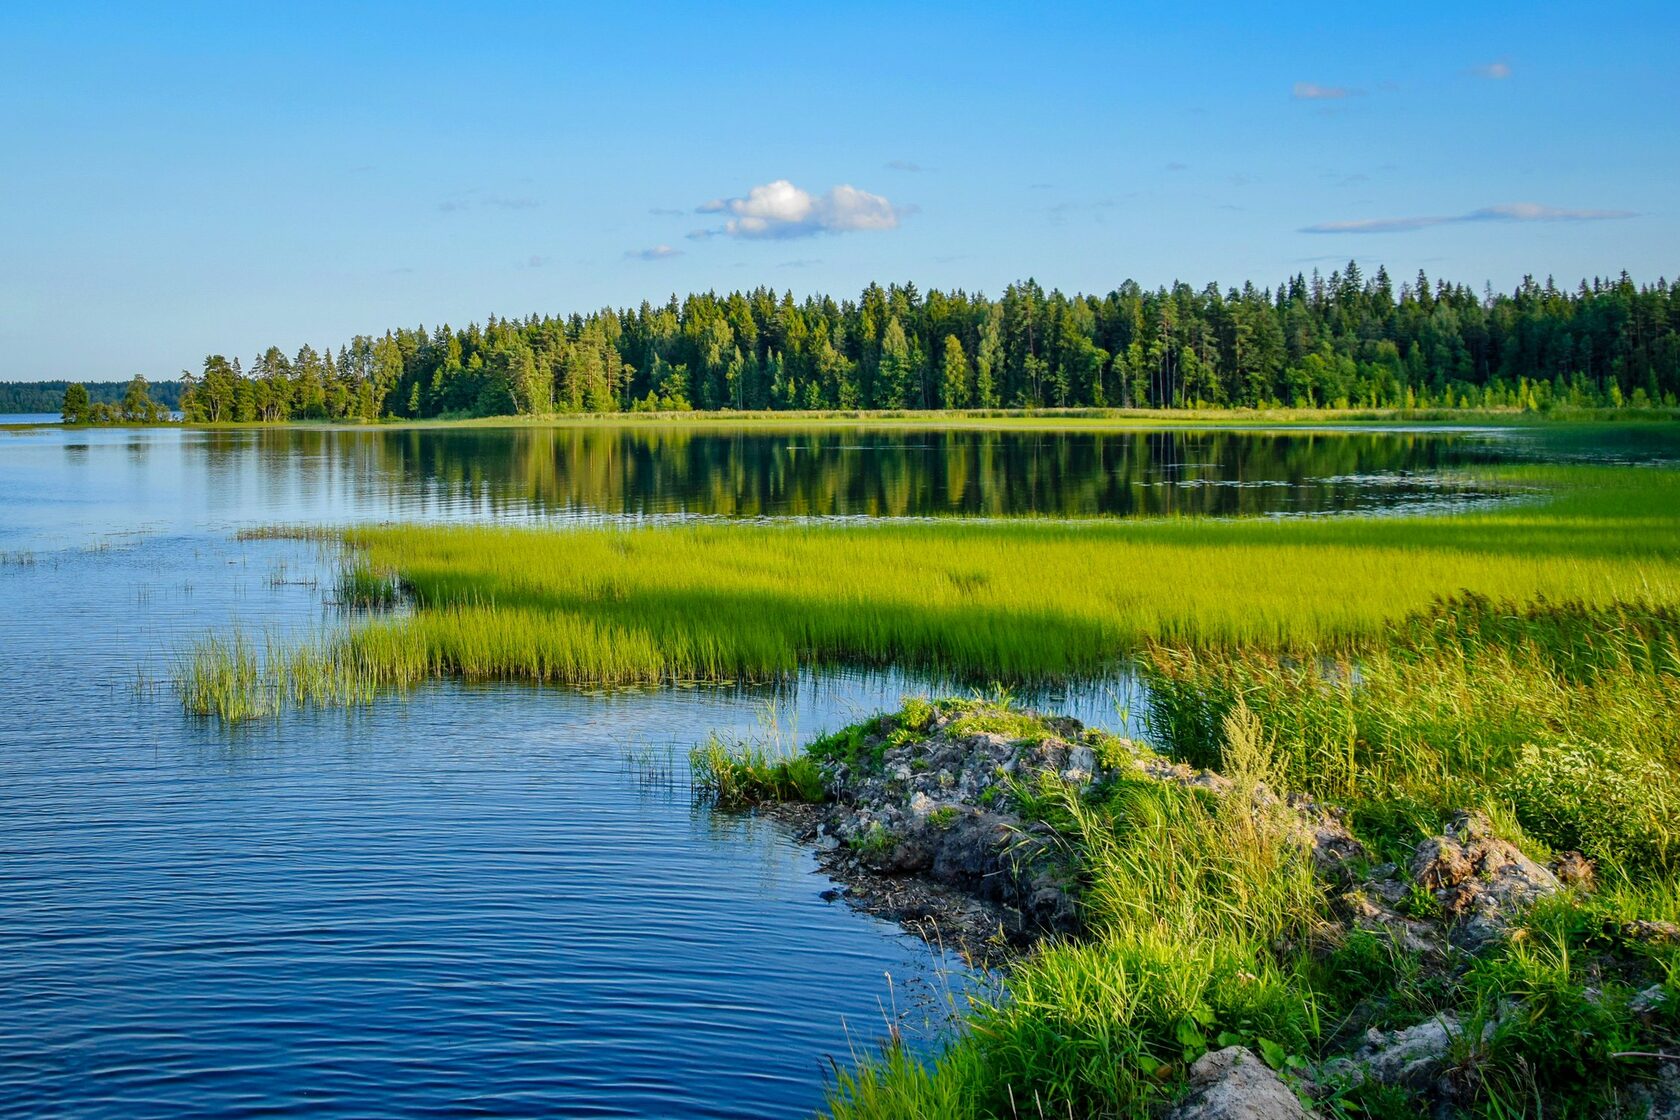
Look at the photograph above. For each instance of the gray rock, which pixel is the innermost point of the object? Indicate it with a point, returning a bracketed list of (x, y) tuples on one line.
[(1649, 1000), (1413, 1058), (1233, 1084), (1482, 882)]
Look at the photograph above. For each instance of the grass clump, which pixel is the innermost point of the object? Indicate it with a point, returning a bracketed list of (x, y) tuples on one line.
[(736, 775), (234, 678)]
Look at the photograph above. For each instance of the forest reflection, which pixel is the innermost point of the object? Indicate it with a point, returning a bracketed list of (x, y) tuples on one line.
[(646, 471)]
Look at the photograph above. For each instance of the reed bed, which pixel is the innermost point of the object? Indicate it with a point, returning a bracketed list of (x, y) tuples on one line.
[(1015, 600)]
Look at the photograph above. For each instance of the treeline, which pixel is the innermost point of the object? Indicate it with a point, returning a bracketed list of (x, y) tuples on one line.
[(137, 406), (1341, 341), (48, 396)]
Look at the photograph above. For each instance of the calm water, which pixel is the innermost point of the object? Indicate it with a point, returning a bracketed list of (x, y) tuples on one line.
[(172, 480), (465, 901)]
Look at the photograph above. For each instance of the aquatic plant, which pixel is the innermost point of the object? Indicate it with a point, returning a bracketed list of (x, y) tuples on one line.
[(993, 600)]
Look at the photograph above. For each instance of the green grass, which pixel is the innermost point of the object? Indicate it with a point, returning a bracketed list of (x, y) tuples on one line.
[(1206, 926), (990, 600), (1566, 717), (737, 775), (234, 678)]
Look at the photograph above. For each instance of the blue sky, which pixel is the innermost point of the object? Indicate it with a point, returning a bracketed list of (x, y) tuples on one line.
[(184, 179)]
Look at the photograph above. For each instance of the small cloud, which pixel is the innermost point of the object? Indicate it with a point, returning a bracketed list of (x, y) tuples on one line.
[(666, 212), (802, 262), (1498, 70), (906, 165), (657, 253), (699, 234), (535, 261), (1176, 166), (1312, 91), (779, 210), (1505, 212), (1041, 186), (501, 203)]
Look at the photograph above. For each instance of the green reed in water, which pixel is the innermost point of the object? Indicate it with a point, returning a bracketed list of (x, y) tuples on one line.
[(234, 679), (996, 600)]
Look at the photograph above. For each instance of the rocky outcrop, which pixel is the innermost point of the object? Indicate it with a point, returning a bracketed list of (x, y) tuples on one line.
[(1481, 881), (1476, 884), (1414, 1058), (1234, 1084), (938, 804)]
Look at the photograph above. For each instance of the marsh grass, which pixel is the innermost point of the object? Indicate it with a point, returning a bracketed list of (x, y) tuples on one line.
[(1018, 600), (235, 677), (733, 774), (1567, 718), (769, 766)]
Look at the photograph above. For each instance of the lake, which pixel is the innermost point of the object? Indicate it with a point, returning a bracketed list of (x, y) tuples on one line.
[(494, 901)]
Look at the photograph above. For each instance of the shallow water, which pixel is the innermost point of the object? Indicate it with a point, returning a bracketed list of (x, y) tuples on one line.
[(495, 901)]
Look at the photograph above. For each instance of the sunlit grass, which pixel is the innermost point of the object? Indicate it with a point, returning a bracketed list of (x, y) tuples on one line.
[(991, 600), (1206, 925)]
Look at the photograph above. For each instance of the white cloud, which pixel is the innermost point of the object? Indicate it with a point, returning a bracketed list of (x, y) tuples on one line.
[(1312, 91), (1505, 212), (782, 210), (1498, 70), (657, 253)]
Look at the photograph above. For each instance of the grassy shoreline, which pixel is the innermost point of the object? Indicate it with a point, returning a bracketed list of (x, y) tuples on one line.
[(1047, 419), (1210, 918)]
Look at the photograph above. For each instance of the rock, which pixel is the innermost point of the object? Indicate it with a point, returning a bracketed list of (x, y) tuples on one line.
[(1334, 848), (1440, 864), (939, 806), (1656, 933), (1081, 765), (1659, 1099), (1413, 1058), (1165, 770), (1648, 1001), (1233, 1084), (1575, 870), (1482, 882), (1368, 909)]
